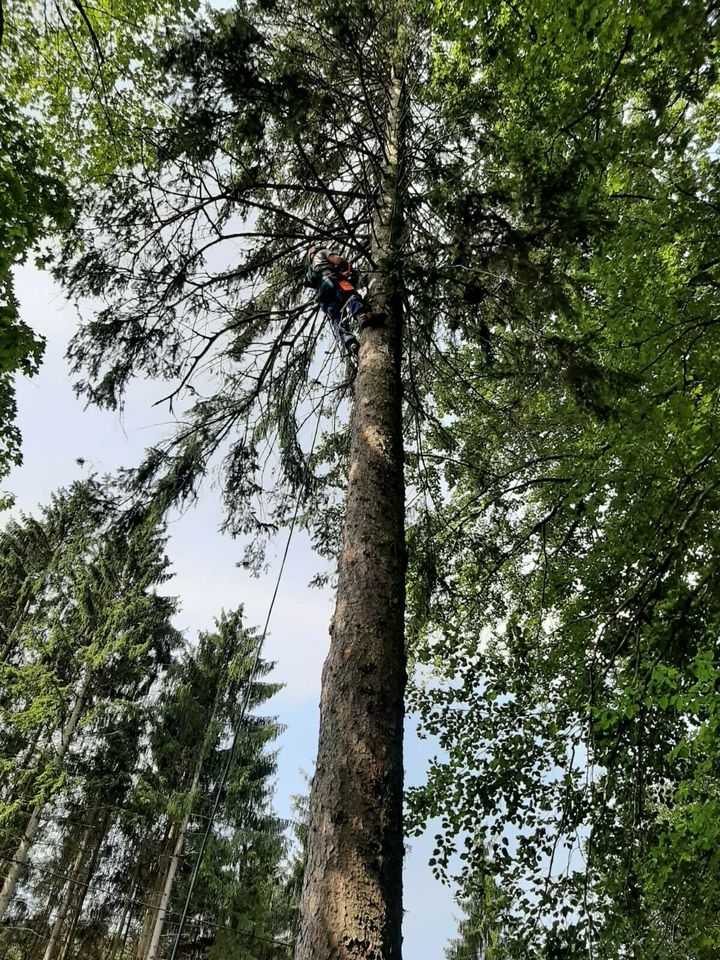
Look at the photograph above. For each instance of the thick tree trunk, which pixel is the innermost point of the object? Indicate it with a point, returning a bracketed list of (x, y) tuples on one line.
[(351, 905), (22, 853)]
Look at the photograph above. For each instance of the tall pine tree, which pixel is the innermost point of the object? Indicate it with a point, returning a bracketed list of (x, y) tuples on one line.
[(110, 789)]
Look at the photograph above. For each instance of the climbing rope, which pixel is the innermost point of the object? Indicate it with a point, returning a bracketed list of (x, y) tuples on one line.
[(248, 691)]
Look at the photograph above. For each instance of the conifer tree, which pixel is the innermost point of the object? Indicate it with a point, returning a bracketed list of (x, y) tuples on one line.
[(44, 687), (295, 120), (112, 823), (236, 898), (88, 645), (480, 930)]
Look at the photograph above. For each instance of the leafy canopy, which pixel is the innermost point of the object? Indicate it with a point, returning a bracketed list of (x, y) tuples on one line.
[(67, 119), (564, 589)]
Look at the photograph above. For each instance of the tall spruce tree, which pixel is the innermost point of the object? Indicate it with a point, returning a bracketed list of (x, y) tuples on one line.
[(200, 719), (99, 838), (478, 936), (84, 650), (289, 124), (237, 907), (42, 684)]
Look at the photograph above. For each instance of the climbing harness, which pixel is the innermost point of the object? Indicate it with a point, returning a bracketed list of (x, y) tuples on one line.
[(335, 279)]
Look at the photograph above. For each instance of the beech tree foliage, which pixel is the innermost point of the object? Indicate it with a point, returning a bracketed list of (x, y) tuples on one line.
[(32, 195), (65, 121), (564, 589)]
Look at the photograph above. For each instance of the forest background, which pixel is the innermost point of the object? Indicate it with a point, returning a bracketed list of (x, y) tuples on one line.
[(57, 429), (561, 385), (63, 441)]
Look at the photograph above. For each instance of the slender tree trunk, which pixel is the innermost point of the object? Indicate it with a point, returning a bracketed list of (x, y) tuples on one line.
[(41, 922), (351, 904), (128, 927), (21, 854), (20, 859), (54, 943), (173, 868), (130, 894), (81, 890), (154, 913), (153, 899)]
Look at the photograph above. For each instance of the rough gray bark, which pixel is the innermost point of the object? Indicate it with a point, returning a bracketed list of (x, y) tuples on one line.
[(351, 904)]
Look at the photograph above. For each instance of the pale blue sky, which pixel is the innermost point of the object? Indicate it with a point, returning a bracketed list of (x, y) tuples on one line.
[(57, 430)]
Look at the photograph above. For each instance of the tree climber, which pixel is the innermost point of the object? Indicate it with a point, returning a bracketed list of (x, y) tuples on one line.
[(334, 279)]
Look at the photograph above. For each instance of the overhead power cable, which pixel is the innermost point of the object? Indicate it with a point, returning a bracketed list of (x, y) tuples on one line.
[(248, 691), (88, 885)]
